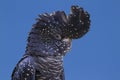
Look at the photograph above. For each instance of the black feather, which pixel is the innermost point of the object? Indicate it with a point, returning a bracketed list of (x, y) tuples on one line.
[(48, 42)]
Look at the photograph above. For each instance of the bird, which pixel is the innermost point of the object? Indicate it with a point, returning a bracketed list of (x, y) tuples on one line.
[(48, 42)]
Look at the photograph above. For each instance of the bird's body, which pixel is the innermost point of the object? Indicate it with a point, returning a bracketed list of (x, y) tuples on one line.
[(39, 68), (48, 42)]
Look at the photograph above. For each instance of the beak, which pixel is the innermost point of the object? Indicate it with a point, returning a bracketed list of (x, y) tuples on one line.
[(68, 40)]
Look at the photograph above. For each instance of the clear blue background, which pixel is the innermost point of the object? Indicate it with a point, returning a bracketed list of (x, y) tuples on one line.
[(96, 56)]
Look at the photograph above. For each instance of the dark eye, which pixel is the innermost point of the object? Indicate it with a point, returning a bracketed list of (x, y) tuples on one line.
[(57, 36)]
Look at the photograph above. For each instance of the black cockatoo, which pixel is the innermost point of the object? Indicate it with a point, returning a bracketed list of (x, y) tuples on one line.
[(48, 42)]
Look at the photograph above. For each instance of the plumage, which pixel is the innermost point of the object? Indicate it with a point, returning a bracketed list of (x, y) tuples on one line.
[(48, 42)]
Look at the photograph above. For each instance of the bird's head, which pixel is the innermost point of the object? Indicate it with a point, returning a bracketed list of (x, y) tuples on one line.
[(54, 32)]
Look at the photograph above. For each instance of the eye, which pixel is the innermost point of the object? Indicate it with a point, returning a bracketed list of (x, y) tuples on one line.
[(57, 36)]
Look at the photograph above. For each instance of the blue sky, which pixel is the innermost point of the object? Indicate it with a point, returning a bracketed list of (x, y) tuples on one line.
[(96, 56)]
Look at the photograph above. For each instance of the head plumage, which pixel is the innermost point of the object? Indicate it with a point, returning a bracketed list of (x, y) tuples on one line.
[(73, 26)]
